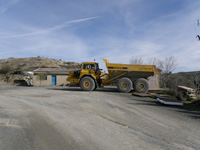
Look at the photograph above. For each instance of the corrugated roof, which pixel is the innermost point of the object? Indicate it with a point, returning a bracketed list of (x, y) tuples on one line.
[(53, 70)]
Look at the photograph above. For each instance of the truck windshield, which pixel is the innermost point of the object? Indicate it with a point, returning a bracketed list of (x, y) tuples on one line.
[(88, 66)]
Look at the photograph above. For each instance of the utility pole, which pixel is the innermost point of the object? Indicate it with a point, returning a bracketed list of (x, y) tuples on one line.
[(198, 25)]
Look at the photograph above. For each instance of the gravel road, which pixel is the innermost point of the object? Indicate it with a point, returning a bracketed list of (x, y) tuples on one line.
[(62, 118)]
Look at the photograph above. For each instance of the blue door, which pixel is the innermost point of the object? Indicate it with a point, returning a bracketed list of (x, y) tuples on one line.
[(53, 80)]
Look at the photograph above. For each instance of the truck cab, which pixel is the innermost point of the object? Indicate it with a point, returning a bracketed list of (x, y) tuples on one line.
[(89, 68), (88, 77)]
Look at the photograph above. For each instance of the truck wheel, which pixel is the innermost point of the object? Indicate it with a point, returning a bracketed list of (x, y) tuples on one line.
[(124, 85), (141, 85), (87, 84)]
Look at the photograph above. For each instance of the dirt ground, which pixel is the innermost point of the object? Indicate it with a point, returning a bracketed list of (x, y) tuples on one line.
[(62, 118)]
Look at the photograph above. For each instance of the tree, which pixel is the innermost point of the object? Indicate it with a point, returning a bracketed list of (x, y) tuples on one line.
[(196, 81), (155, 61), (169, 64), (136, 61)]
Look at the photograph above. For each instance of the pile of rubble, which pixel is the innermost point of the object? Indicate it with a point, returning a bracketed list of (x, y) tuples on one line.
[(186, 93), (183, 94)]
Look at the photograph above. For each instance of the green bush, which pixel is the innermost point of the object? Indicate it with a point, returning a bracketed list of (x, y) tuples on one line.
[(5, 69)]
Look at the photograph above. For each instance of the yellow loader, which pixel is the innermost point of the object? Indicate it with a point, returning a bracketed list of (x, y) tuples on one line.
[(125, 76)]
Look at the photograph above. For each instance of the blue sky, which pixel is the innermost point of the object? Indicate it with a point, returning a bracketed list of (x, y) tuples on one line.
[(84, 30)]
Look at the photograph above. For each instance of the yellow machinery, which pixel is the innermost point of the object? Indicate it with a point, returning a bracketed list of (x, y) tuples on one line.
[(25, 78), (125, 77)]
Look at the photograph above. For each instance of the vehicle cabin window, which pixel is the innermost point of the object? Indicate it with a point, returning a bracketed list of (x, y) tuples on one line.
[(88, 66)]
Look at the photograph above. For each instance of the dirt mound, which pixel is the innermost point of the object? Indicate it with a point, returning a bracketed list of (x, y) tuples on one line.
[(32, 63)]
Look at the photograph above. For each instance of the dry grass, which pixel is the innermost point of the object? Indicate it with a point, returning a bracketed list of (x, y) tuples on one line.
[(32, 63)]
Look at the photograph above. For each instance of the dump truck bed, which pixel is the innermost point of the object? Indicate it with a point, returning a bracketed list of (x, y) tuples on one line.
[(129, 70)]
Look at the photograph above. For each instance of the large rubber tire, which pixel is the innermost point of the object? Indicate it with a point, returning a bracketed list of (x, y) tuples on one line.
[(87, 84), (124, 85), (141, 85)]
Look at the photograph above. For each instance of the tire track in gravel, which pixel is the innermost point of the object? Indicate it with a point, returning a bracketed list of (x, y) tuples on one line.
[(45, 136)]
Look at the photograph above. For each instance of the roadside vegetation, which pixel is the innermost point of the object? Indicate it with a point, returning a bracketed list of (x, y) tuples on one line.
[(5, 69)]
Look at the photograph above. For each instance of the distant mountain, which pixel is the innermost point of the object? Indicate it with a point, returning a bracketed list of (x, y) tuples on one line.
[(32, 63), (188, 73)]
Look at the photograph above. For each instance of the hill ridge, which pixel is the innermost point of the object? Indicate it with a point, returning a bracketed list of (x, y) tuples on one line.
[(32, 63)]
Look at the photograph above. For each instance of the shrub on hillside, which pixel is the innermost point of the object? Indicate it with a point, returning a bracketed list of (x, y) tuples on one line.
[(5, 69)]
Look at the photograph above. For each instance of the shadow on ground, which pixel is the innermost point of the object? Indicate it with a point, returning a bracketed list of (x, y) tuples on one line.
[(79, 89), (191, 110)]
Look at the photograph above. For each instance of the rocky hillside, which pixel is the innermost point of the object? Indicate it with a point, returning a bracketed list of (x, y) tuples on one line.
[(32, 63)]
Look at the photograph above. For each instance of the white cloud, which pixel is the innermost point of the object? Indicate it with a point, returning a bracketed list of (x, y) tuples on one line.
[(68, 47), (58, 27)]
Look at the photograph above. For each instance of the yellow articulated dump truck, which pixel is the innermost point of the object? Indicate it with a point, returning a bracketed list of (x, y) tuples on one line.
[(125, 76)]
